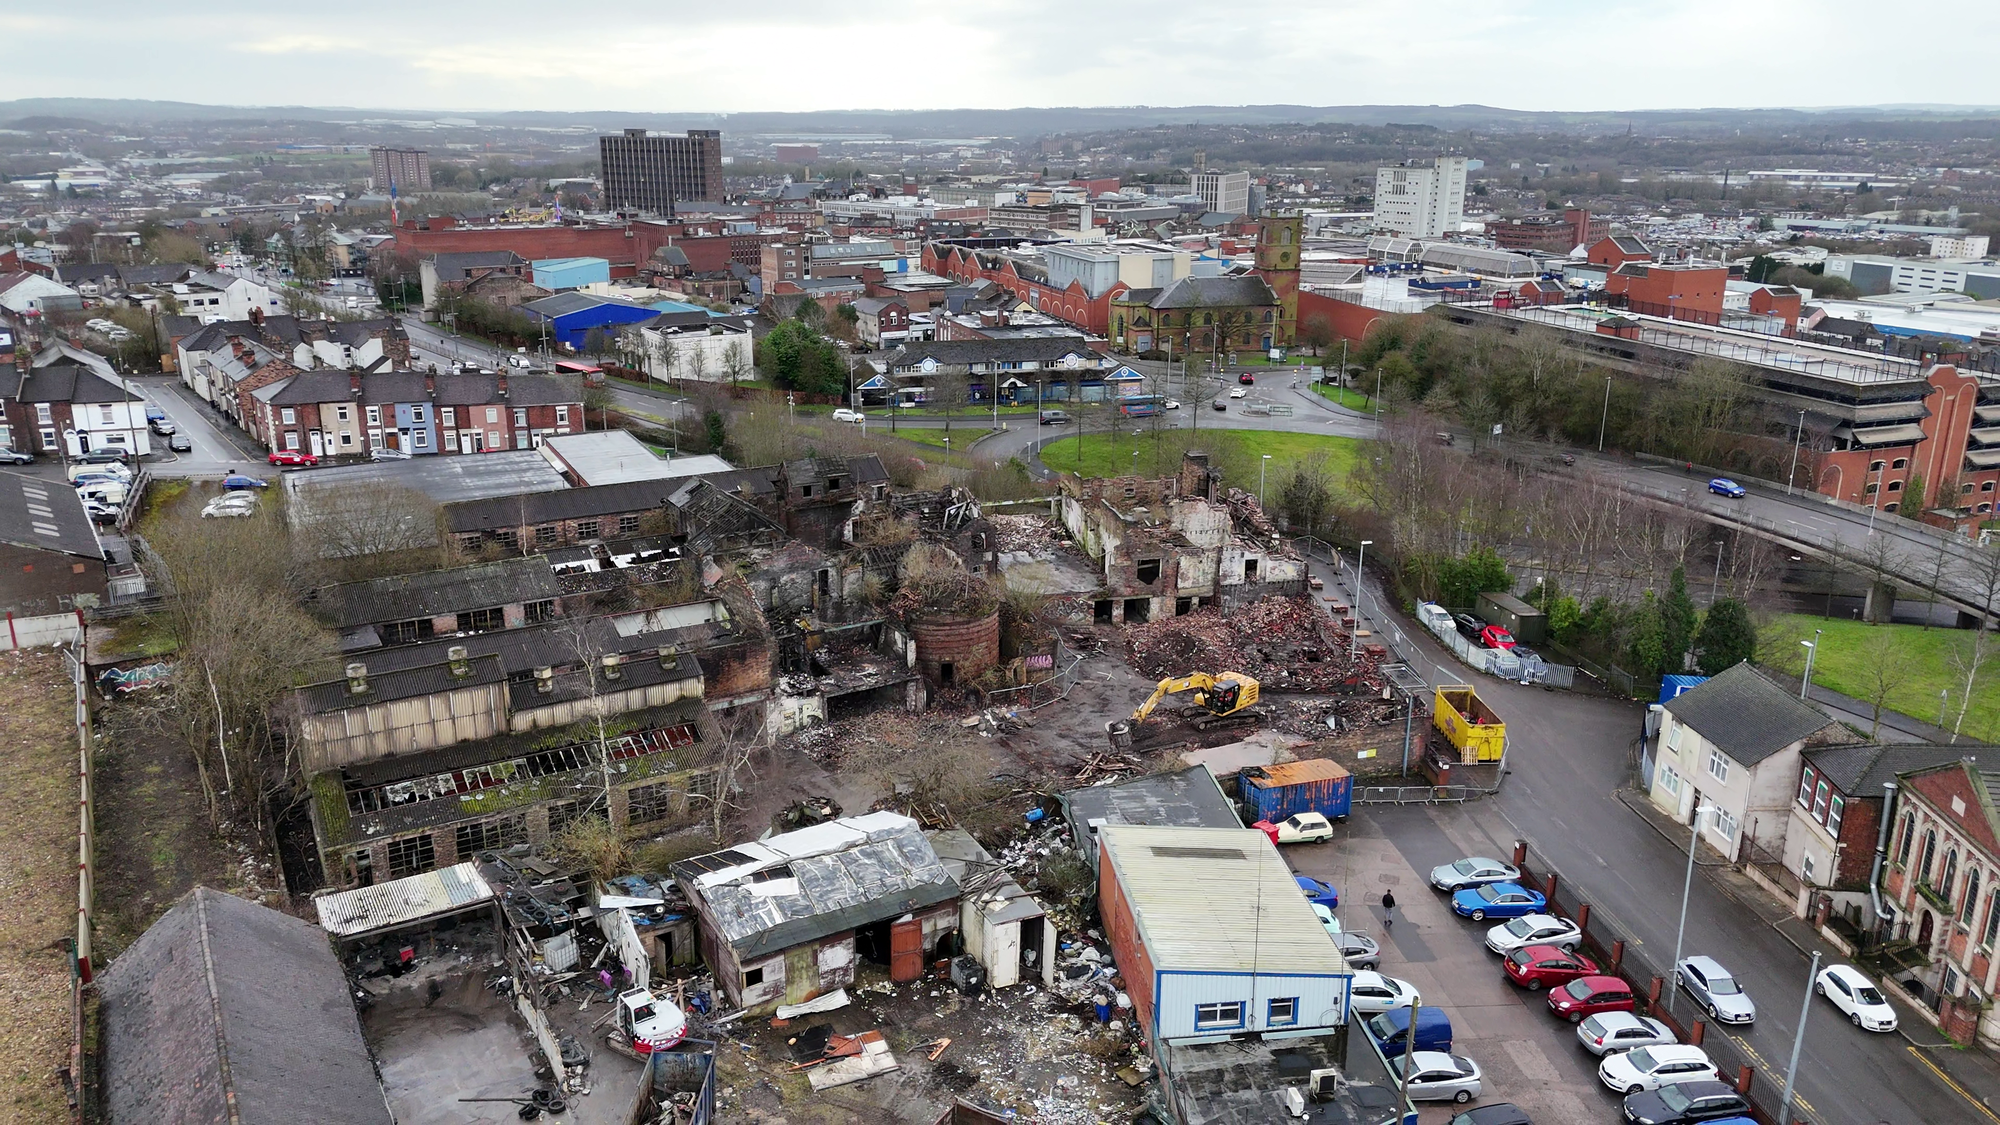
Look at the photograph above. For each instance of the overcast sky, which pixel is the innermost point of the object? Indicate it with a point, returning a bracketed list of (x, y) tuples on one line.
[(716, 56)]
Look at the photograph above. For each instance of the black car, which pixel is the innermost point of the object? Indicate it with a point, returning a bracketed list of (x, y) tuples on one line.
[(16, 457), (179, 443), (1469, 626), (1685, 1103), (1499, 1113)]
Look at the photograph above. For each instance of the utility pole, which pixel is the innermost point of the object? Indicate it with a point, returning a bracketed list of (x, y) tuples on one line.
[(1798, 1041), (1361, 557), (1796, 442), (1605, 420), (1687, 886)]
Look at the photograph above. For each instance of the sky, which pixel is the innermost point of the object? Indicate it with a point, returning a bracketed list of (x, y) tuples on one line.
[(778, 55)]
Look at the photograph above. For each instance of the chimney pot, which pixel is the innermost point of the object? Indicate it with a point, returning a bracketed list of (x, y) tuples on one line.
[(611, 670), (357, 678)]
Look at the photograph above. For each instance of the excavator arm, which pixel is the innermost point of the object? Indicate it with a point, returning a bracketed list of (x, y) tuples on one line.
[(1201, 681)]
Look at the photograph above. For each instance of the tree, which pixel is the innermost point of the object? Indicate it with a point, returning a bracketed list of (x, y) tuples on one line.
[(1980, 574), (597, 342), (1646, 645), (1912, 507), (1676, 622), (1461, 581), (949, 392), (1884, 669), (1317, 333), (1727, 637), (597, 397), (665, 353)]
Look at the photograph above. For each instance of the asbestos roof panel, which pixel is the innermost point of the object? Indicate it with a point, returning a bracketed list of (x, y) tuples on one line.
[(433, 593), (400, 902)]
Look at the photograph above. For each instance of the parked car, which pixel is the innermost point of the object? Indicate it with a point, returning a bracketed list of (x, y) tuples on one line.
[(104, 469), (1299, 828), (384, 453), (233, 505), (1317, 892), (1723, 486), (1246, 378), (1469, 626), (1497, 900), (1493, 636), (1587, 996), (1220, 404), (109, 454), (235, 481), (1472, 872), (1499, 1113), (1856, 996), (1533, 929), (1238, 392), (88, 481), (179, 443), (1545, 966), (154, 412), (1434, 1076), (16, 457), (292, 457), (1607, 1032), (1649, 1068), (843, 414), (1715, 990), (1371, 992), (1360, 950), (1684, 1103), (161, 426), (100, 512), (1391, 1030)]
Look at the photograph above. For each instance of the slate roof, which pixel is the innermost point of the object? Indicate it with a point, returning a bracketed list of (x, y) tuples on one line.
[(47, 515), (561, 504), (453, 267), (72, 382), (1215, 292), (408, 683), (433, 593), (1861, 769), (226, 1005), (543, 390), (318, 385), (468, 389), (1745, 715), (385, 387)]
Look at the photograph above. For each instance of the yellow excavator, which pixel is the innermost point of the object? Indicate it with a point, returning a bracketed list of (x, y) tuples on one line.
[(1229, 696)]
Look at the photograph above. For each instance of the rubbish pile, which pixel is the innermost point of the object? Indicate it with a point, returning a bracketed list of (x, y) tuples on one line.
[(1314, 718), (1287, 643), (1034, 535)]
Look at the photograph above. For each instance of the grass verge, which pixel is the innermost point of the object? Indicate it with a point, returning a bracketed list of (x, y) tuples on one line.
[(1343, 396), (1239, 453), (1913, 663)]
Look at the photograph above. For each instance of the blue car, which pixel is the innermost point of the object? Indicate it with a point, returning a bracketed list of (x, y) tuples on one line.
[(235, 481), (1321, 894), (1723, 486), (1497, 900)]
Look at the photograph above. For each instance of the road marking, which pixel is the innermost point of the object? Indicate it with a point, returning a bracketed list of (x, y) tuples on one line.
[(1956, 1088)]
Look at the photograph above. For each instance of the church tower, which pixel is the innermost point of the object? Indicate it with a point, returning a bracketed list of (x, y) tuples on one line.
[(1278, 264)]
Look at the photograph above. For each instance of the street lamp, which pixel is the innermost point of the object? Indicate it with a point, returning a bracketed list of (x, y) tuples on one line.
[(1799, 1040), (1687, 886), (1875, 497), (1796, 442), (1262, 466), (1812, 649), (1361, 557), (1604, 421)]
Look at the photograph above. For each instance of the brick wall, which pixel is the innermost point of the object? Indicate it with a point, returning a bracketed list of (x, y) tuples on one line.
[(969, 646)]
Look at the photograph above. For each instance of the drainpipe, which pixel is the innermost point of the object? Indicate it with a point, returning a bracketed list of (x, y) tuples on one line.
[(1881, 849)]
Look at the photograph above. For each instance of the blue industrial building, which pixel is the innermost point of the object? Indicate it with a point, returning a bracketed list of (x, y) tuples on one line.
[(571, 316), (558, 274)]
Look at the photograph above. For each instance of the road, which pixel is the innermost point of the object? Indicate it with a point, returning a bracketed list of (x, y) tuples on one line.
[(1570, 754)]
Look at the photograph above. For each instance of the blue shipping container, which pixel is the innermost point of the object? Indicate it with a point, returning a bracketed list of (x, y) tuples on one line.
[(1673, 687), (1276, 792)]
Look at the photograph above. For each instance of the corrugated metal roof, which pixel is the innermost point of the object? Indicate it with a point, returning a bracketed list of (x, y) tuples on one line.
[(1294, 773), (398, 902), (1217, 900)]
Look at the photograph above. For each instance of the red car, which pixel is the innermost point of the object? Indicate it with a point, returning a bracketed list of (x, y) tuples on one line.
[(1587, 996), (292, 457), (1536, 967), (1493, 636), (1246, 379)]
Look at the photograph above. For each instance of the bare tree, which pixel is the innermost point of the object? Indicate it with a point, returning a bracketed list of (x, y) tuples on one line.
[(1981, 574), (1885, 669), (665, 354), (697, 361), (949, 392), (356, 530)]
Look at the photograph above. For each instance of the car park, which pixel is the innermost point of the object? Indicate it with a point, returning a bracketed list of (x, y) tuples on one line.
[(1359, 950), (1533, 929), (1434, 1076), (16, 457), (110, 469), (292, 457), (1587, 996), (1606, 1032), (1499, 1113), (179, 443), (1723, 486), (1856, 996), (1472, 872), (1684, 1103), (1469, 626), (1239, 392), (1649, 1068), (1497, 900), (1371, 993), (1299, 828), (233, 505), (1321, 894), (843, 414), (1536, 967), (100, 512), (1219, 404), (235, 481), (1715, 990)]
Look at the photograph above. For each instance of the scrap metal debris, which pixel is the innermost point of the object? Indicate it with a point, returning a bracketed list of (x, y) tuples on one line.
[(1287, 643)]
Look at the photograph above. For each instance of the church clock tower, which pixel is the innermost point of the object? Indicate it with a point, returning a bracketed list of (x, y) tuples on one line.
[(1278, 265)]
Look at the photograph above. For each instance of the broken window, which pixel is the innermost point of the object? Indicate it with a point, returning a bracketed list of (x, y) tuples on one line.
[(481, 620), (1138, 610), (412, 855), (628, 525), (586, 529), (1149, 570), (645, 804), (1183, 606), (753, 976), (469, 541), (538, 612), (1249, 570), (1103, 612), (833, 484), (545, 535), (408, 632), (363, 863), (562, 814), (806, 491), (508, 538), (947, 672), (490, 834)]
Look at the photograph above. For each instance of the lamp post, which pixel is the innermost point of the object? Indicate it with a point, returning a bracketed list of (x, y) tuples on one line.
[(1798, 1041), (1875, 497), (1717, 580), (1360, 558), (1262, 467), (1812, 649), (1687, 886), (1378, 398), (1605, 420), (1796, 442)]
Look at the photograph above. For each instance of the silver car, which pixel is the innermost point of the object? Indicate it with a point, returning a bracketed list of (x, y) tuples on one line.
[(1359, 949), (1715, 990), (1472, 872), (1436, 1076), (1610, 1032), (1534, 929)]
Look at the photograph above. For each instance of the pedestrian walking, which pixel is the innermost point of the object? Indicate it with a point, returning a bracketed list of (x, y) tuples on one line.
[(1388, 909)]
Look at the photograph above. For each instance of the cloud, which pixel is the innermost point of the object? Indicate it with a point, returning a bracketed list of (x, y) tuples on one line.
[(795, 55)]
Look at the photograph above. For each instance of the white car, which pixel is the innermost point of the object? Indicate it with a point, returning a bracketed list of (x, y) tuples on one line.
[(1373, 993), (1534, 929), (233, 506), (1239, 392), (1299, 828), (845, 415), (1610, 1032), (1473, 871), (1857, 997), (1436, 1076), (1170, 404), (1649, 1068)]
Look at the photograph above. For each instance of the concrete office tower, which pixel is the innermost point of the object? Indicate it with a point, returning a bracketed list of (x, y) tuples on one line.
[(1227, 192), (1421, 198), (653, 172), (409, 168)]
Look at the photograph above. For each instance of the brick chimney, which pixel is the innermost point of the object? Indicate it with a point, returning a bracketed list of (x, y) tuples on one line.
[(354, 382), (503, 382), (430, 381)]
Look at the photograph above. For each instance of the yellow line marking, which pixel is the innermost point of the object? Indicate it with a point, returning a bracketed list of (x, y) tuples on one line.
[(1956, 1088)]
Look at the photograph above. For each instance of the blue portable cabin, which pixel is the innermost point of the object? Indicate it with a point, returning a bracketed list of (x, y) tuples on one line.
[(1673, 687)]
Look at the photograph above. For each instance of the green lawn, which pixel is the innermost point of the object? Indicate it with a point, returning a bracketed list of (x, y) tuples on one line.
[(961, 436), (1343, 396), (1919, 663), (1239, 453)]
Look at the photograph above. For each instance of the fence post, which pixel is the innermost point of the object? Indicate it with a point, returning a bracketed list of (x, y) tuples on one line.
[(1652, 990), (1696, 1032), (1618, 958), (1549, 888), (1744, 1074), (1520, 852), (1583, 918)]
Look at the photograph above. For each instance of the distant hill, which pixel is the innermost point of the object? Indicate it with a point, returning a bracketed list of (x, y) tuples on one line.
[(55, 113)]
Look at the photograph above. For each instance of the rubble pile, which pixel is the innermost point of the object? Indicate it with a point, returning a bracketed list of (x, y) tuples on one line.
[(1249, 514), (1031, 535), (1313, 718), (1287, 644)]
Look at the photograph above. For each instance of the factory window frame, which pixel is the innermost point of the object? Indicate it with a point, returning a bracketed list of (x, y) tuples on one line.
[(1900, 462), (545, 535), (489, 834), (1282, 1012), (628, 525), (482, 620), (536, 613), (645, 804), (412, 855), (587, 529)]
